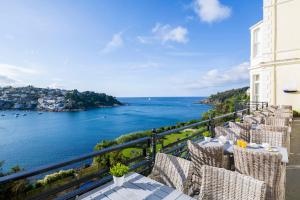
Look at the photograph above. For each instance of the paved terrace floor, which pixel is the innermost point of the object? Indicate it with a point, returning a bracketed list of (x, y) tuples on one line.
[(293, 168)]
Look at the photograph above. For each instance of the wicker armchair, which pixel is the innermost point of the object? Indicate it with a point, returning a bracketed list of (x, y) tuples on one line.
[(263, 166), (276, 121), (228, 132), (222, 184), (288, 107), (241, 129), (285, 129), (171, 171), (271, 137), (250, 119), (203, 155)]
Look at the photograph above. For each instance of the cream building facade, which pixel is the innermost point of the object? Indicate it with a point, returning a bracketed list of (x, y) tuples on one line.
[(275, 54)]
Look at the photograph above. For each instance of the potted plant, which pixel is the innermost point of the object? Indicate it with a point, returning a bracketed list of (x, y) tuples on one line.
[(118, 172), (207, 136)]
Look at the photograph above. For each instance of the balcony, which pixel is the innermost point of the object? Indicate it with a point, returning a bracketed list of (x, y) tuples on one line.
[(82, 174)]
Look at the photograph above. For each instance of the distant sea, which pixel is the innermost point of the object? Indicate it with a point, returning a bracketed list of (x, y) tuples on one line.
[(38, 139)]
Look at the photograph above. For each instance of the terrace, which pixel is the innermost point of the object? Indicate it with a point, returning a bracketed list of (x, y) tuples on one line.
[(92, 180)]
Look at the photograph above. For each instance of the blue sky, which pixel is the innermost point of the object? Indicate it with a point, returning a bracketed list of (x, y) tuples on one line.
[(128, 47)]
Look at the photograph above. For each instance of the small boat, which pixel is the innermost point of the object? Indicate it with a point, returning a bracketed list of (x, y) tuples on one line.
[(16, 115), (24, 114), (3, 115), (40, 113)]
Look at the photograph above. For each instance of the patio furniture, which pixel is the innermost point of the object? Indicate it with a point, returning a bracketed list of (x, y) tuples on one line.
[(284, 129), (276, 121), (278, 139), (241, 129), (228, 149), (251, 119), (227, 132), (171, 171), (222, 184), (203, 155), (286, 107), (264, 166), (136, 187)]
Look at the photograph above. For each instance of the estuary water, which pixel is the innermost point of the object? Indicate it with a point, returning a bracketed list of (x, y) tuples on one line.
[(31, 139)]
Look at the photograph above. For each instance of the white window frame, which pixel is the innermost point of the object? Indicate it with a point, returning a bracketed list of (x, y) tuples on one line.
[(256, 42), (256, 90)]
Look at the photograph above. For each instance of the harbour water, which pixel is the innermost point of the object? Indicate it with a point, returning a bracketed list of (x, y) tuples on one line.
[(31, 139)]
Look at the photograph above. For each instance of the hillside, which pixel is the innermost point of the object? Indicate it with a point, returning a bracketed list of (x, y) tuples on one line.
[(221, 97), (57, 100)]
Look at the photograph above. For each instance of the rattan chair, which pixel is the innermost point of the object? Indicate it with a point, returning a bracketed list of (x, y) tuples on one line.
[(222, 184), (285, 129), (288, 107), (276, 121), (227, 132), (263, 166), (251, 119), (172, 171), (203, 155), (241, 129), (273, 138)]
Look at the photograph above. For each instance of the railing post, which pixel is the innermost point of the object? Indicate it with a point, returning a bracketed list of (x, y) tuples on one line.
[(248, 109), (210, 125), (262, 105), (267, 104), (153, 144), (235, 111), (256, 106)]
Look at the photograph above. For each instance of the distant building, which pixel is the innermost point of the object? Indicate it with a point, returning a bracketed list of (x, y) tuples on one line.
[(275, 54)]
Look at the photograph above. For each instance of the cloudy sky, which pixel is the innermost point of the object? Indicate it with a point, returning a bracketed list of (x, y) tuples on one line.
[(127, 47)]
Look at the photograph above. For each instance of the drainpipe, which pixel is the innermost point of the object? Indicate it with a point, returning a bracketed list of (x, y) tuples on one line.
[(274, 31)]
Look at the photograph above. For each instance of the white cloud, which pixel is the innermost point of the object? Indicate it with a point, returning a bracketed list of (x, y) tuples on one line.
[(115, 43), (215, 78), (164, 34), (211, 10), (167, 33), (11, 74)]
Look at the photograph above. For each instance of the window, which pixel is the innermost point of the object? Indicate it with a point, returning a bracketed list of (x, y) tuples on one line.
[(256, 42), (256, 87)]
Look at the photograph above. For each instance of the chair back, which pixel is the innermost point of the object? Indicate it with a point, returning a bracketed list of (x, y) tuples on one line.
[(241, 129), (276, 121), (172, 171), (203, 155), (263, 166), (222, 184), (273, 138), (227, 132)]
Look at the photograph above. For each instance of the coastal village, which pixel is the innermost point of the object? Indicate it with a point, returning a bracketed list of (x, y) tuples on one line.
[(55, 100)]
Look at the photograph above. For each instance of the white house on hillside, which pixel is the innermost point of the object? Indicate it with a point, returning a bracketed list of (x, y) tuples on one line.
[(275, 54)]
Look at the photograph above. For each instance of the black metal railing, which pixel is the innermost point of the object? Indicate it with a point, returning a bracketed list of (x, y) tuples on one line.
[(142, 163)]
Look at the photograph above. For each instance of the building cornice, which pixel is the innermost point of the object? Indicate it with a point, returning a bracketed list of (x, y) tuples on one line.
[(256, 25), (276, 63)]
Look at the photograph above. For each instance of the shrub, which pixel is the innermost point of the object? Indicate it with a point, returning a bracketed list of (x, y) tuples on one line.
[(206, 134), (296, 113), (55, 176), (119, 170)]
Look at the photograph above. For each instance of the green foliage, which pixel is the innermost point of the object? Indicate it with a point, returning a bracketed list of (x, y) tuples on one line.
[(221, 97), (119, 170), (224, 102), (85, 100), (206, 134), (296, 113), (51, 178)]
